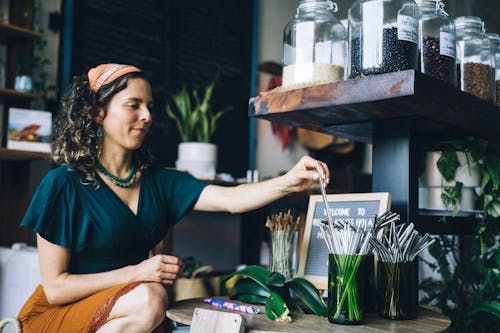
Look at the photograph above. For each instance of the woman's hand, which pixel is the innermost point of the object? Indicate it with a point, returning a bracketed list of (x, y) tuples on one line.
[(304, 173), (160, 268)]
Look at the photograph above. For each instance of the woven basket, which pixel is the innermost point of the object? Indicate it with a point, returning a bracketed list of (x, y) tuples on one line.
[(193, 287)]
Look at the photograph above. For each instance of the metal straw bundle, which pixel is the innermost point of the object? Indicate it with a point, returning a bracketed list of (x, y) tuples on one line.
[(397, 248), (347, 239), (342, 237), (283, 228), (400, 243), (385, 219)]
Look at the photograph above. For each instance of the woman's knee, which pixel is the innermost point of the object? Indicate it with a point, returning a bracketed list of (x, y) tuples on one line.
[(151, 297), (144, 305)]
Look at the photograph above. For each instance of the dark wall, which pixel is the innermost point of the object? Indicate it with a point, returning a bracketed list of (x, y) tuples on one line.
[(176, 43)]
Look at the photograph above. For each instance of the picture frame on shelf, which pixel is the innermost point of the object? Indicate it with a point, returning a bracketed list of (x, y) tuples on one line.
[(360, 207), (29, 130)]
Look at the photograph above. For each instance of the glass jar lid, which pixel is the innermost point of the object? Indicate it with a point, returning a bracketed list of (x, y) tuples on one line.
[(495, 41), (436, 6), (468, 22), (315, 3)]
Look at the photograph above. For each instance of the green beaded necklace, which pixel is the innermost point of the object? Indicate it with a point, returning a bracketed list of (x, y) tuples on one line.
[(121, 182)]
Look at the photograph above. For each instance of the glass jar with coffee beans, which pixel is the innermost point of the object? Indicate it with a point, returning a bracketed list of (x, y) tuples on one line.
[(383, 36), (314, 45), (474, 58), (495, 49), (436, 41)]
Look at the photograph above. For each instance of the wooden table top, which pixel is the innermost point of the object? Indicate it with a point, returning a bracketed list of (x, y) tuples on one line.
[(426, 322)]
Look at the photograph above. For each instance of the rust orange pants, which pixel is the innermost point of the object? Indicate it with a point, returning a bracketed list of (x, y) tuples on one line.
[(84, 316)]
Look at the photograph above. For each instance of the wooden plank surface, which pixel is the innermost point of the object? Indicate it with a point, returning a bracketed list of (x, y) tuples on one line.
[(427, 321), (211, 321), (408, 98)]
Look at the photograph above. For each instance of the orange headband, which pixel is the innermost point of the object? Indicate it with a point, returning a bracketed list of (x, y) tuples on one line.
[(106, 73)]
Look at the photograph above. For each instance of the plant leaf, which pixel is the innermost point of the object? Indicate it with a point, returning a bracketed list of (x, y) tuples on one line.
[(309, 294), (249, 286), (447, 164), (177, 121), (491, 307), (276, 279), (276, 308), (494, 209), (253, 299), (257, 273), (205, 104)]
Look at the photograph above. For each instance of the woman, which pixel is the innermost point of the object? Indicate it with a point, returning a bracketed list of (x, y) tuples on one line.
[(105, 207)]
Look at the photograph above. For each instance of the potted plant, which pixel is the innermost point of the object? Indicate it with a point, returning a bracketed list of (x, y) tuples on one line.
[(449, 181), (23, 81), (196, 122), (467, 290), (258, 285)]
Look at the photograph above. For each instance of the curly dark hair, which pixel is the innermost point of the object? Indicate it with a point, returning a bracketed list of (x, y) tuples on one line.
[(75, 142)]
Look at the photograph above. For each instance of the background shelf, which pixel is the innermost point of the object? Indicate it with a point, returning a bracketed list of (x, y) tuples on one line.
[(21, 155), (12, 94), (353, 108), (13, 31), (402, 114)]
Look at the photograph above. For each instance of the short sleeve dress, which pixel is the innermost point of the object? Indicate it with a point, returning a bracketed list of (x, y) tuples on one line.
[(102, 233)]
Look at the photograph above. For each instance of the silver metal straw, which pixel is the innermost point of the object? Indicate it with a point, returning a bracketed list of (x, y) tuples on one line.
[(325, 199)]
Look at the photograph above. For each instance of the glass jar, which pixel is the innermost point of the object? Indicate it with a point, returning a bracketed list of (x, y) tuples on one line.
[(437, 42), (495, 49), (314, 45), (397, 289), (383, 36), (283, 254), (474, 58), (346, 280)]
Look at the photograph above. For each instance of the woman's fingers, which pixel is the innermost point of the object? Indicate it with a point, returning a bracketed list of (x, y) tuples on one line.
[(320, 169), (159, 268)]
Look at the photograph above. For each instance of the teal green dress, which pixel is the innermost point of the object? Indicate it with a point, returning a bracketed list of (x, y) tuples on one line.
[(100, 230)]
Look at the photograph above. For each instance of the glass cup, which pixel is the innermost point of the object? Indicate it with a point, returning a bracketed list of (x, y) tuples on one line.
[(283, 252), (397, 289), (345, 288)]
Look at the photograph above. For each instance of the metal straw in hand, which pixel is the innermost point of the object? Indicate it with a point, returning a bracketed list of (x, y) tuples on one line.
[(322, 185)]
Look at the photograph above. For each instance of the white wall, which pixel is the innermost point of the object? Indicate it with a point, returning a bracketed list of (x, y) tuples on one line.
[(270, 158)]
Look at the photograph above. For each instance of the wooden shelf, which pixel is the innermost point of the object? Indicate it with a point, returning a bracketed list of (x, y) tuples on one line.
[(21, 155), (8, 93), (407, 98), (401, 113), (13, 31)]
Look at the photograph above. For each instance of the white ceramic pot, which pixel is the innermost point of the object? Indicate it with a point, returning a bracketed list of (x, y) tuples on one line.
[(197, 151), (468, 175), (430, 198), (431, 183), (197, 158)]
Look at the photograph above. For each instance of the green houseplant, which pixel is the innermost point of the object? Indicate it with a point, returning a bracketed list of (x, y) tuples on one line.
[(469, 292), (196, 122), (193, 116), (259, 285)]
